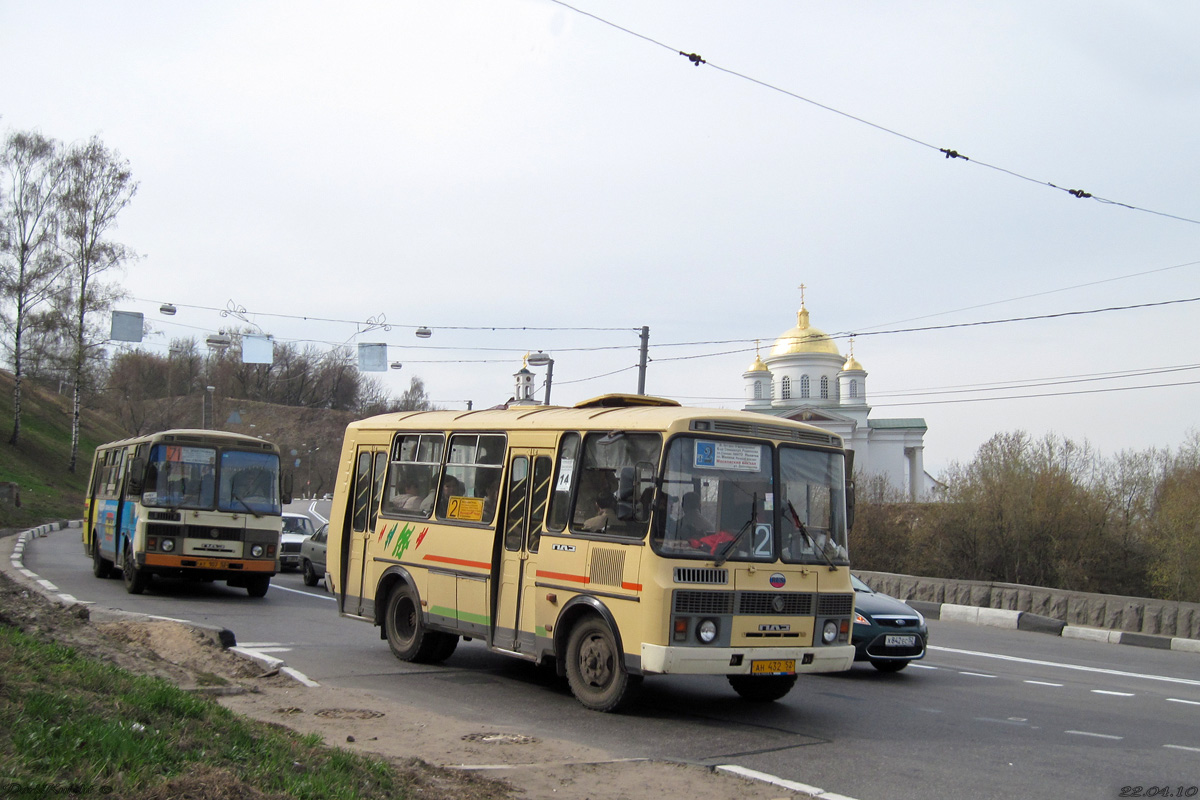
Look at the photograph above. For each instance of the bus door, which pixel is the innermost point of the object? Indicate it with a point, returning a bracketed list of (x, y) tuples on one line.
[(370, 466), (526, 494)]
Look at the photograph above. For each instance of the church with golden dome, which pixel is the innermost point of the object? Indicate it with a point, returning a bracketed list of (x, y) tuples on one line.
[(806, 378)]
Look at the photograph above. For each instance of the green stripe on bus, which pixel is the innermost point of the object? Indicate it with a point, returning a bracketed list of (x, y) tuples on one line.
[(463, 616)]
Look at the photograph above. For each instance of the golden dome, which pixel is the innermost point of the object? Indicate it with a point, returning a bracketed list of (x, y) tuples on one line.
[(804, 338), (852, 364), (757, 365)]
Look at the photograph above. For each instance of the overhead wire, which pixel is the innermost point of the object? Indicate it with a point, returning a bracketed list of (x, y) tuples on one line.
[(949, 154)]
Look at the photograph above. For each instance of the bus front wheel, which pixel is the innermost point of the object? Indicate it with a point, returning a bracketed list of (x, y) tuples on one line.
[(101, 566), (135, 579), (595, 669), (258, 585), (762, 688)]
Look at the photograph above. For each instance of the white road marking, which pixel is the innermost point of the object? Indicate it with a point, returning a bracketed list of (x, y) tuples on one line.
[(921, 666), (1095, 735), (1060, 665), (1045, 683), (976, 674), (1114, 694), (1182, 747), (1188, 702), (306, 594)]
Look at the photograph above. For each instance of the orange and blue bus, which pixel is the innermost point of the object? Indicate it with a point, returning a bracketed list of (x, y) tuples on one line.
[(186, 503)]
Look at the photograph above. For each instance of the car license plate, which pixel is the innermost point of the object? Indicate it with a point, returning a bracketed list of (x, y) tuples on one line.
[(781, 666), (209, 564), (894, 640)]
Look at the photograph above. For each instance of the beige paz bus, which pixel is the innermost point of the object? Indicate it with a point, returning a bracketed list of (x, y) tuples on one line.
[(624, 537)]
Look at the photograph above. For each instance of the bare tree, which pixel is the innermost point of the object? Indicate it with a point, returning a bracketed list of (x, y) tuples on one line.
[(98, 186), (33, 169)]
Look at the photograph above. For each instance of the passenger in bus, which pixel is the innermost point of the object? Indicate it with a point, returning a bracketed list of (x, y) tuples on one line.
[(606, 513), (410, 498), (451, 487), (692, 524)]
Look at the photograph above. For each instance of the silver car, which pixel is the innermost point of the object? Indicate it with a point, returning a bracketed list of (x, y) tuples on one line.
[(312, 556), (296, 528)]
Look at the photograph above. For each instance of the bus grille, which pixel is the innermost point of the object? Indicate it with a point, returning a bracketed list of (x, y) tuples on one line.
[(799, 603), (772, 431), (196, 532), (692, 602), (608, 566), (835, 605), (701, 575)]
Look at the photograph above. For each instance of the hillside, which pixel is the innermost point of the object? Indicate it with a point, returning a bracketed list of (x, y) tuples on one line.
[(38, 464), (309, 439)]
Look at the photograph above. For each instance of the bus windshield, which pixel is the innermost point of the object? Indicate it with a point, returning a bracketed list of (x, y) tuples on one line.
[(813, 506), (249, 482), (180, 476), (716, 501)]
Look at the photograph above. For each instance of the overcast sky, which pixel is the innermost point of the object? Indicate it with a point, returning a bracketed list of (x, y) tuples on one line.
[(474, 165)]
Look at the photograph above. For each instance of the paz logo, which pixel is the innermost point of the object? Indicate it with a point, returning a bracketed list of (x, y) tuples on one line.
[(778, 580)]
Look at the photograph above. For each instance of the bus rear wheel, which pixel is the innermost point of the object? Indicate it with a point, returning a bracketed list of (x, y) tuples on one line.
[(762, 688), (406, 633), (595, 669), (101, 566), (135, 579)]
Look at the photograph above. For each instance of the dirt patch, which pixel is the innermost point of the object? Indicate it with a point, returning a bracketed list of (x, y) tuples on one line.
[(440, 757)]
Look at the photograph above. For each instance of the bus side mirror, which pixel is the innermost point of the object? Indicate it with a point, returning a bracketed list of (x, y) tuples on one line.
[(849, 489), (285, 488), (137, 476), (849, 504)]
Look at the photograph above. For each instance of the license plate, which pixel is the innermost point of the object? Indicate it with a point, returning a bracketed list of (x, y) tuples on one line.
[(894, 640), (208, 564), (782, 666)]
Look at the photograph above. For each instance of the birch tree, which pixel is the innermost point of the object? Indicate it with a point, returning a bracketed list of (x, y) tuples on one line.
[(32, 168), (98, 186)]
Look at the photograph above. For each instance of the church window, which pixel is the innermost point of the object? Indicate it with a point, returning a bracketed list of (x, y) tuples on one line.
[(804, 386), (853, 388), (785, 388), (758, 390), (824, 387)]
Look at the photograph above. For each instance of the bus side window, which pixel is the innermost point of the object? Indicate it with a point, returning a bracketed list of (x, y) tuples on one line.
[(381, 459), (543, 469), (362, 491), (560, 503)]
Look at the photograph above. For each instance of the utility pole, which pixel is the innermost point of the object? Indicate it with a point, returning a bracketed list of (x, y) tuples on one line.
[(643, 358)]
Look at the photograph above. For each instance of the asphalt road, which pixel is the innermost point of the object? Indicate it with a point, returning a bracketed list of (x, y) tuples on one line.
[(990, 713)]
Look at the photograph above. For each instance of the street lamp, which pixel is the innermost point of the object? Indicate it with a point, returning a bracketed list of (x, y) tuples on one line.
[(540, 359)]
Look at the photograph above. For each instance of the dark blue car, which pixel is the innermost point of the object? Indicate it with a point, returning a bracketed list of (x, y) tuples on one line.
[(887, 632)]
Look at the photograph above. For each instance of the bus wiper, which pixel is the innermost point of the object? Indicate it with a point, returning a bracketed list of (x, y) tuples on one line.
[(721, 559), (804, 532), (245, 505)]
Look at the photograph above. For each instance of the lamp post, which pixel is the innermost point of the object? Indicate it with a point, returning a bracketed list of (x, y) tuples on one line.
[(540, 359)]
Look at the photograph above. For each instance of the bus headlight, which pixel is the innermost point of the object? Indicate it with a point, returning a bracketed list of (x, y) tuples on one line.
[(256, 551), (167, 545), (829, 632), (706, 631)]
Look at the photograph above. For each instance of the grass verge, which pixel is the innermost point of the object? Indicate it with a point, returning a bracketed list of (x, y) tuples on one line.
[(74, 727)]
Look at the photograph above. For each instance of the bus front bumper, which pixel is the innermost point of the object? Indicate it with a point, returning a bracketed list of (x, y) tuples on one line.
[(740, 660)]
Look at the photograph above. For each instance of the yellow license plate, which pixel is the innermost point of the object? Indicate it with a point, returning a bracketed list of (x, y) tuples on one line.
[(208, 564), (783, 666)]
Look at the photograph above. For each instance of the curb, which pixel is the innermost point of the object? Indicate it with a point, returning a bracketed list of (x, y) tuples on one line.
[(224, 636), (1036, 623)]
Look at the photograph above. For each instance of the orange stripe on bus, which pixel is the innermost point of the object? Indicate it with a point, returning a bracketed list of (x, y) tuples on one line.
[(562, 576), (633, 587), (459, 561)]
